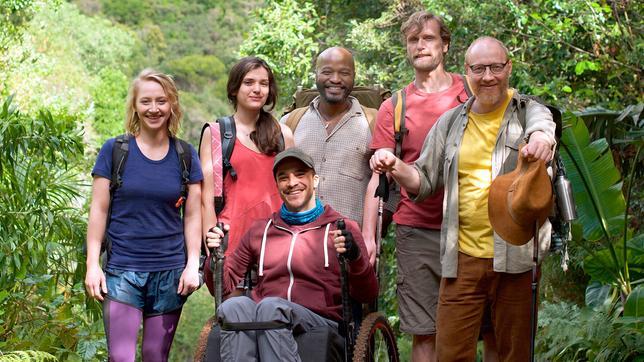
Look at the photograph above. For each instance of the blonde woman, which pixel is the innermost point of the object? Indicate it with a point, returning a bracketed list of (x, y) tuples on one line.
[(154, 255)]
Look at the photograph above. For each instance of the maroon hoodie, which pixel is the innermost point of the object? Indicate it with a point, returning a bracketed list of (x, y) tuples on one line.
[(299, 263)]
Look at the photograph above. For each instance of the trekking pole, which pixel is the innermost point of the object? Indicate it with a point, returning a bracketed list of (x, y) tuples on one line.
[(533, 311), (382, 192), (347, 319), (217, 265)]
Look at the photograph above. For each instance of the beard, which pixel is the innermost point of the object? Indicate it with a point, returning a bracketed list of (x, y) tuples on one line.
[(333, 98), (492, 95)]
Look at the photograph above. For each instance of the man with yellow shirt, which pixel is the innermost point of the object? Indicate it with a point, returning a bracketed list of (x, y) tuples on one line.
[(467, 148)]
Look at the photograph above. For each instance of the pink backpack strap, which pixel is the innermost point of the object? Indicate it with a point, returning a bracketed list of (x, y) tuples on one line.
[(216, 158)]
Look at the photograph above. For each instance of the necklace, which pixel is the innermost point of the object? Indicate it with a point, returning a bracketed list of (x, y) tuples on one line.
[(335, 119)]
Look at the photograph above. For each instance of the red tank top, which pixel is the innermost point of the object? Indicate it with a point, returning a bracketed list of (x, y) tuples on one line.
[(252, 196)]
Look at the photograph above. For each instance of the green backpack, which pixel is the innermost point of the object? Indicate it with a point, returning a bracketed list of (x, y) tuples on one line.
[(370, 99)]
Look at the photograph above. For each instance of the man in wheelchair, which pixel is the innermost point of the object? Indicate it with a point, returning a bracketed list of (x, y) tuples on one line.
[(298, 282)]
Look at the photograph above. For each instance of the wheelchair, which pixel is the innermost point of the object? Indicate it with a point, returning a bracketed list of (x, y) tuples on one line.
[(358, 339), (364, 334)]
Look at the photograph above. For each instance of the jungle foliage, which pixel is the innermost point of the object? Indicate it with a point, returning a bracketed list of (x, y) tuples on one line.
[(64, 72)]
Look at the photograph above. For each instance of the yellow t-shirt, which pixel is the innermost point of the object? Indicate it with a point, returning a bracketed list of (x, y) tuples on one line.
[(474, 178)]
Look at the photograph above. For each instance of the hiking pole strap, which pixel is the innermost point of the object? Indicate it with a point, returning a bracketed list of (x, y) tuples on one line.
[(382, 192)]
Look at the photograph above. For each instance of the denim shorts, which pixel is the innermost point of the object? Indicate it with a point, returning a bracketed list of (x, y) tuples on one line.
[(153, 292)]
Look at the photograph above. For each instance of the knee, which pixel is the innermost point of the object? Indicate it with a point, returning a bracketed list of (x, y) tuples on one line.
[(237, 309), (271, 308), (424, 339)]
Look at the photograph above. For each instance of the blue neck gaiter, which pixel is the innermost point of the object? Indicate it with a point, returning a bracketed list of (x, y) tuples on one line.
[(304, 217)]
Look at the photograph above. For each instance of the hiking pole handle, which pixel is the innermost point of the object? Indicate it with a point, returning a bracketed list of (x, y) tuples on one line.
[(218, 257), (382, 190)]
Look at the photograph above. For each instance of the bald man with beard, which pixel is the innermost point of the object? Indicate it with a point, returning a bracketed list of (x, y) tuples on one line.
[(335, 132)]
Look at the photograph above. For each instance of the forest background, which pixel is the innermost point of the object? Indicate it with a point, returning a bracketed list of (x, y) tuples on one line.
[(64, 73)]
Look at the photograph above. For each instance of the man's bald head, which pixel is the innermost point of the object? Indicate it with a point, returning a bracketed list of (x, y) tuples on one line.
[(335, 53), (334, 75), (482, 43)]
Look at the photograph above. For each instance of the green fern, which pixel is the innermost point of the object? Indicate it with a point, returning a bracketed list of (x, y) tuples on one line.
[(30, 356), (569, 333)]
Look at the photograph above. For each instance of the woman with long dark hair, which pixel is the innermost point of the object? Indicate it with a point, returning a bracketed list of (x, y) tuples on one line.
[(252, 194)]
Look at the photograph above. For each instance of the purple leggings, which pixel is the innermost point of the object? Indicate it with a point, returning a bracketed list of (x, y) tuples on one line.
[(122, 323)]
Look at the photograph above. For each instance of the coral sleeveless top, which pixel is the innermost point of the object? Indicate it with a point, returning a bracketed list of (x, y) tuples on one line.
[(252, 196)]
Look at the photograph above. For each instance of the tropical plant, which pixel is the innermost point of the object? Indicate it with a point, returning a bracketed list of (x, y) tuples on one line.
[(31, 356), (618, 261), (285, 35), (41, 231), (570, 333), (612, 325)]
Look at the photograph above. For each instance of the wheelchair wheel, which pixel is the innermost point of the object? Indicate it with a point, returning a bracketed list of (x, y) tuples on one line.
[(376, 340), (202, 343)]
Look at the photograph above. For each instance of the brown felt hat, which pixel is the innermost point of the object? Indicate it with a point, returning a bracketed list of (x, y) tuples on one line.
[(518, 199)]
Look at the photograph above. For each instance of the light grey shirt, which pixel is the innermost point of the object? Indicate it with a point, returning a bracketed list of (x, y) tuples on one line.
[(341, 157), (438, 166)]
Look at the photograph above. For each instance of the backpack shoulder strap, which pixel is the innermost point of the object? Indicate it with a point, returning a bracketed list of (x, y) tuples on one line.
[(185, 163), (120, 151), (228, 136), (293, 118), (454, 115), (556, 113), (215, 157), (467, 88), (398, 103), (523, 104), (371, 114)]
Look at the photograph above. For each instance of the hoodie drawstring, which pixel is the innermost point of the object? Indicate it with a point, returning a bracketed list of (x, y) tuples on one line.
[(263, 250), (326, 250)]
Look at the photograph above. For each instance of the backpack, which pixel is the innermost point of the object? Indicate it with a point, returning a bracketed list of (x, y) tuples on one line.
[(370, 99), (222, 143), (222, 137), (120, 151)]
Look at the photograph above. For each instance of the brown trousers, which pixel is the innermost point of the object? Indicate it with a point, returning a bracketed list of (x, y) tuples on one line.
[(462, 303)]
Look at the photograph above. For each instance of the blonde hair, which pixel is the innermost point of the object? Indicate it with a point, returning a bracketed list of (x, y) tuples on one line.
[(132, 121)]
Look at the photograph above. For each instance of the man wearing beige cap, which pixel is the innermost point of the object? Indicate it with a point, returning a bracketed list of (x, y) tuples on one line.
[(465, 151)]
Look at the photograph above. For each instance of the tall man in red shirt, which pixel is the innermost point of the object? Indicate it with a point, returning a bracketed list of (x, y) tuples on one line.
[(432, 92)]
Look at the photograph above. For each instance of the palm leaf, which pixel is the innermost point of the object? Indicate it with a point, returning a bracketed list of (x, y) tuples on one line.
[(596, 181)]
